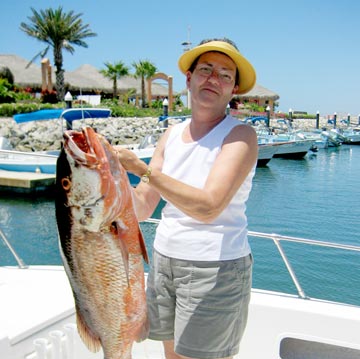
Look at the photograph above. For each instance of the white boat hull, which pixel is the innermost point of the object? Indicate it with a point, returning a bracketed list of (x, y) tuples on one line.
[(293, 149), (27, 162), (287, 146), (265, 154)]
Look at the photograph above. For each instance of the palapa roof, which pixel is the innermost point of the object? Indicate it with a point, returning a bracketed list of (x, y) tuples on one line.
[(22, 75), (89, 78), (85, 78), (260, 92)]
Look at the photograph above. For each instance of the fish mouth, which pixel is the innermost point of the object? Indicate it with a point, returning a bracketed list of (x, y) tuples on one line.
[(84, 146), (97, 184)]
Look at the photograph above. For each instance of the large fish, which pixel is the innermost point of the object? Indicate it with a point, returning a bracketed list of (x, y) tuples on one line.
[(101, 244)]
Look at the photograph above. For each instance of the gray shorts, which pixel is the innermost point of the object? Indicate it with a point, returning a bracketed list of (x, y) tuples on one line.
[(202, 306)]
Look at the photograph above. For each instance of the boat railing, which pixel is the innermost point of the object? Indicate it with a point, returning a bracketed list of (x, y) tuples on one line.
[(277, 239), (19, 261)]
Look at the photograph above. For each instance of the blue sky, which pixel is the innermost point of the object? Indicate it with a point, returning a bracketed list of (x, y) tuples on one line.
[(307, 51)]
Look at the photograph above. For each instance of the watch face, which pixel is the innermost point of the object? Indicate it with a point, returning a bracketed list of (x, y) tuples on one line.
[(145, 179)]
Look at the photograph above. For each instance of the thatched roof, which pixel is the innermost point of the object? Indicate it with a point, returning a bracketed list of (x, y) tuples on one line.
[(85, 78), (22, 76), (259, 92)]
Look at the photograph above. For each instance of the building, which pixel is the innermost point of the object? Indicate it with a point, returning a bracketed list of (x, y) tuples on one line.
[(87, 80), (258, 95)]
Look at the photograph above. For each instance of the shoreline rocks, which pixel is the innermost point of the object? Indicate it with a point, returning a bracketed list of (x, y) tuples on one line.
[(46, 135)]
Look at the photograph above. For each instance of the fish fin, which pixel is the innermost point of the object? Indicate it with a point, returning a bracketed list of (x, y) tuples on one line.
[(123, 248), (143, 332), (143, 247), (91, 341)]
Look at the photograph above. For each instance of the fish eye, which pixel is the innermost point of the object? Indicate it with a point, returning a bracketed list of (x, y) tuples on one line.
[(66, 183)]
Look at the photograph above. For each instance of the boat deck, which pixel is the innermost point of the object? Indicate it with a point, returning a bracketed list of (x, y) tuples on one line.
[(38, 317), (42, 324)]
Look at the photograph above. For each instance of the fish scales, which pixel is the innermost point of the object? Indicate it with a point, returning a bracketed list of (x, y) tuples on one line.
[(101, 244)]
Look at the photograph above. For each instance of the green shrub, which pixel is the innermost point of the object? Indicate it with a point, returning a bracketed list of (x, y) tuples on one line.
[(128, 110), (7, 95), (11, 109), (10, 93), (123, 110), (5, 73)]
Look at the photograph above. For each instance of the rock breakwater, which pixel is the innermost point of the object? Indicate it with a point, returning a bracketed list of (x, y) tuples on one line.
[(46, 135)]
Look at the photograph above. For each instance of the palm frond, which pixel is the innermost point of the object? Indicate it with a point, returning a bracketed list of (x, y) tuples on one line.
[(40, 54), (59, 30)]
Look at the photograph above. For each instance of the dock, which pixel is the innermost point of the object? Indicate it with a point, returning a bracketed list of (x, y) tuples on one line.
[(26, 182)]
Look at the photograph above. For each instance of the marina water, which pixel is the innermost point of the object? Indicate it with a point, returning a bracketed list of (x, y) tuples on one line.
[(316, 198)]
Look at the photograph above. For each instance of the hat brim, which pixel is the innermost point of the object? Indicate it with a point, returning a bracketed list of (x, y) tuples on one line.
[(246, 71)]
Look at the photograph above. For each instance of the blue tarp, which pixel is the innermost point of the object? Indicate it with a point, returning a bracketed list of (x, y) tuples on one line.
[(38, 115), (69, 114), (80, 113)]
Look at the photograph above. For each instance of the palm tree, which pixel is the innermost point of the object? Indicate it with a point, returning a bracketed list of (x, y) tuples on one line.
[(60, 31), (114, 72), (144, 69)]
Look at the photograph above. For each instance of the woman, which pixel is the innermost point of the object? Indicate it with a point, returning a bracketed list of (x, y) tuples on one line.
[(199, 283)]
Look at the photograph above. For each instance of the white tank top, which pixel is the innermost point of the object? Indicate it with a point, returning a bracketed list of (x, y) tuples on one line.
[(180, 236)]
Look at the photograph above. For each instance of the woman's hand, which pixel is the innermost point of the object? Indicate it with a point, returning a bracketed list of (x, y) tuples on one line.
[(130, 161), (145, 197)]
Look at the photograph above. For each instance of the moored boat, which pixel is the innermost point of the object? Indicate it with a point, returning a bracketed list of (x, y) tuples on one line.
[(36, 162), (290, 143), (347, 135), (323, 138), (332, 139), (43, 162), (286, 147), (18, 161), (265, 154), (295, 149)]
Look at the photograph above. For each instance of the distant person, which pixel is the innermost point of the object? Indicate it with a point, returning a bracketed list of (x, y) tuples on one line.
[(199, 283)]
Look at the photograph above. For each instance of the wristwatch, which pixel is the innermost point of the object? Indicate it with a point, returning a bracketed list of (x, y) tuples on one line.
[(146, 176)]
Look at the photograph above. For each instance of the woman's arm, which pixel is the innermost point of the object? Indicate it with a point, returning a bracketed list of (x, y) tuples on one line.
[(146, 197), (236, 159)]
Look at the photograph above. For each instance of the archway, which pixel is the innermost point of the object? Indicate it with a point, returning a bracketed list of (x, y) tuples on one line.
[(161, 76)]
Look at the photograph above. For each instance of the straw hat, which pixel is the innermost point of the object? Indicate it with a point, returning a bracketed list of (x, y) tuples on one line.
[(246, 71)]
